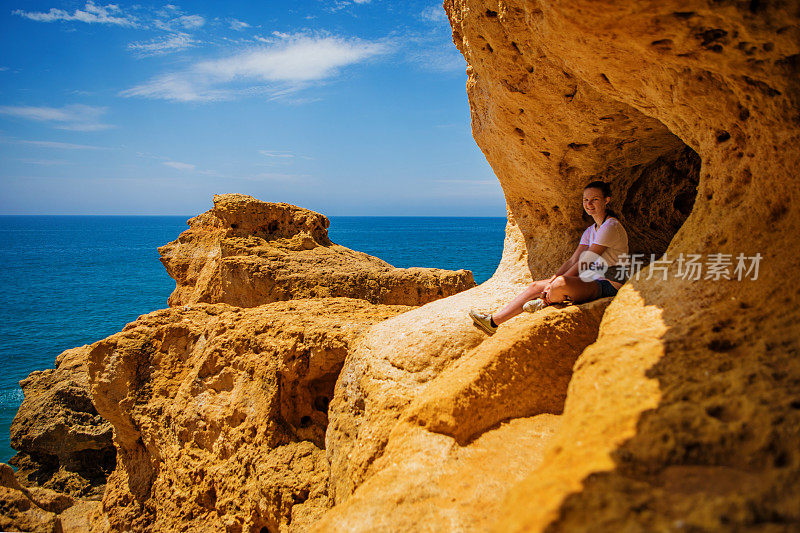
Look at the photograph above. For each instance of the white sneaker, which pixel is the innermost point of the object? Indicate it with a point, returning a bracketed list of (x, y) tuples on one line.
[(534, 305), (483, 321)]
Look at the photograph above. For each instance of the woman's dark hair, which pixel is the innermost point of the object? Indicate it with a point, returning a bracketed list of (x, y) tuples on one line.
[(605, 188)]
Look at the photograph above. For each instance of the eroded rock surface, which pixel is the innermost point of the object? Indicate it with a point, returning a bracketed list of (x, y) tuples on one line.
[(674, 407), (63, 443), (19, 510), (220, 412), (683, 414), (246, 252), (426, 432)]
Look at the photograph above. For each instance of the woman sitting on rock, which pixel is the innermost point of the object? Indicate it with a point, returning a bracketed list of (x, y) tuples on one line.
[(583, 277)]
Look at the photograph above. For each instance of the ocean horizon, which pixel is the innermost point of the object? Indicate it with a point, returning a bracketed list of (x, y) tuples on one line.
[(71, 280)]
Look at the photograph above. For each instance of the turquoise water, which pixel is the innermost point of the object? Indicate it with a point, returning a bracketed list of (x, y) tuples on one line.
[(71, 280)]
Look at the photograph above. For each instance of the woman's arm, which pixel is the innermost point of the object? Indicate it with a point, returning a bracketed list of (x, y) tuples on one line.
[(595, 250), (569, 263)]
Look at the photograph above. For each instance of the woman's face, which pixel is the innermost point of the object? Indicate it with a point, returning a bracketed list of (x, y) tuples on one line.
[(593, 201)]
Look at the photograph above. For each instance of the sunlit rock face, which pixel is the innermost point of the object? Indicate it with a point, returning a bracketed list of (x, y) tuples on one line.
[(220, 413), (673, 406), (63, 444), (246, 252), (682, 410)]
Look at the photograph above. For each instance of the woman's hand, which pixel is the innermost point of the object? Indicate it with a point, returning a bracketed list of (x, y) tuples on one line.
[(546, 290)]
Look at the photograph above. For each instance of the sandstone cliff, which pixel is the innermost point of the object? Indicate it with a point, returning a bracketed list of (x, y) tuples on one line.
[(220, 412), (672, 407), (683, 413), (63, 443), (246, 252)]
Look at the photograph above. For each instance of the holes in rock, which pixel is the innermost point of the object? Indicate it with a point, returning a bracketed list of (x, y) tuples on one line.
[(713, 39), (234, 226), (546, 154), (744, 113), (491, 14), (684, 202), (515, 47), (721, 345), (304, 405), (519, 132), (321, 403), (489, 48), (683, 14), (722, 136), (659, 199), (662, 44)]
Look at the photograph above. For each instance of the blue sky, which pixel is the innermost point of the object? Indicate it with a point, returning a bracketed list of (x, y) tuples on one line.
[(347, 107)]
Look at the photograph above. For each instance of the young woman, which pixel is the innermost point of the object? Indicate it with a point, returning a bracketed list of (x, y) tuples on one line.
[(583, 276)]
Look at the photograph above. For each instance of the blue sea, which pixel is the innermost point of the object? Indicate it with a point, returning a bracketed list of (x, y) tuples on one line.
[(71, 280)]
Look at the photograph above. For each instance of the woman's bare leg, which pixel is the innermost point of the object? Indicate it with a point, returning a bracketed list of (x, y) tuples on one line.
[(514, 307), (579, 291)]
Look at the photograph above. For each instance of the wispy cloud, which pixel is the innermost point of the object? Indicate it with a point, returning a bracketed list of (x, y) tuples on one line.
[(162, 46), (286, 65), (272, 153), (183, 22), (3, 69), (237, 25), (91, 13), (60, 145), (169, 18), (337, 5), (180, 166), (75, 117), (432, 48), (434, 14)]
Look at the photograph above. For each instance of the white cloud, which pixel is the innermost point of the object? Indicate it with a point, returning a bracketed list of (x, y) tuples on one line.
[(271, 153), (166, 45), (190, 22), (183, 22), (180, 166), (288, 64), (3, 69), (62, 146), (91, 13), (434, 14), (337, 5), (76, 117), (436, 58), (238, 25)]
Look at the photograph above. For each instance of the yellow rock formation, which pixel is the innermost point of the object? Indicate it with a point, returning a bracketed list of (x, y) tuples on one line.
[(246, 252), (683, 414), (220, 412), (673, 407)]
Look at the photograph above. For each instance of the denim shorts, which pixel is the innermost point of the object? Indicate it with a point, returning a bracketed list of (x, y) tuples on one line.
[(606, 288)]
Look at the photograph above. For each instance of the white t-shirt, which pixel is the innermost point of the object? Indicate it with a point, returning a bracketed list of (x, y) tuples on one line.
[(610, 234)]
